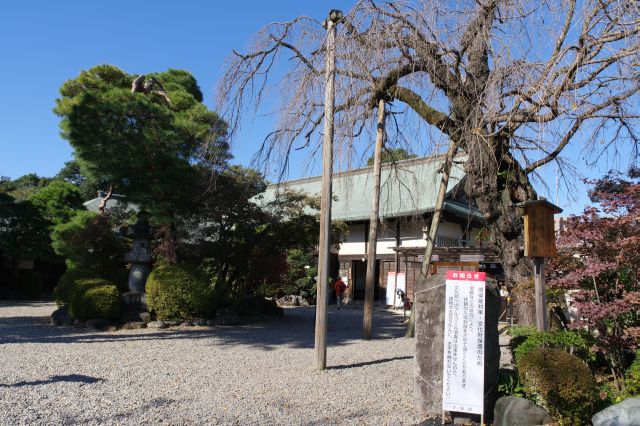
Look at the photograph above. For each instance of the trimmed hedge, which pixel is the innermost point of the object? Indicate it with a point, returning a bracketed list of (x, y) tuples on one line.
[(63, 290), (560, 382), (95, 298), (179, 292)]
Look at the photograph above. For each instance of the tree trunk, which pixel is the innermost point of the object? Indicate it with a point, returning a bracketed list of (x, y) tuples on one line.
[(373, 226), (496, 182)]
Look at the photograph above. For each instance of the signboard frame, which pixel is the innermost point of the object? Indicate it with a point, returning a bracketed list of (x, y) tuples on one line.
[(464, 342)]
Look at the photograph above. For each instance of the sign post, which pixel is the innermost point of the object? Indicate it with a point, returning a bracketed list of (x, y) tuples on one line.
[(539, 242), (464, 343)]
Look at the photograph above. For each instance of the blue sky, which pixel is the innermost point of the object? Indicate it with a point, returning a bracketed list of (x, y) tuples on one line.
[(45, 43)]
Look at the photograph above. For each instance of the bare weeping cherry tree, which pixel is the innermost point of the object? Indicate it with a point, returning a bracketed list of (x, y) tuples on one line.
[(510, 82)]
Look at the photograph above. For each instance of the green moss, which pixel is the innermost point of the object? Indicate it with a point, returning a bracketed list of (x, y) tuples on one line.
[(179, 292), (560, 382), (95, 298)]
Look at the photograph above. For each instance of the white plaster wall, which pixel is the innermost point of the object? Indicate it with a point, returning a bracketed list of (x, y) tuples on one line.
[(386, 238), (354, 244), (451, 230), (411, 235)]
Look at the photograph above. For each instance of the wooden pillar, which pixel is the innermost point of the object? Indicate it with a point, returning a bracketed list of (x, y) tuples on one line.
[(373, 226), (541, 294), (325, 201)]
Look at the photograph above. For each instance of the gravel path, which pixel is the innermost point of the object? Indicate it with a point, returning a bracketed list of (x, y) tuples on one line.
[(255, 374)]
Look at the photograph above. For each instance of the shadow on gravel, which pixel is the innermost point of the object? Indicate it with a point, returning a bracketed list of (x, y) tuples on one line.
[(70, 378), (364, 364), (295, 330)]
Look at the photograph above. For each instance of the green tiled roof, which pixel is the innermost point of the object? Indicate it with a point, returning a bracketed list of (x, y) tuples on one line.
[(408, 187), (116, 200)]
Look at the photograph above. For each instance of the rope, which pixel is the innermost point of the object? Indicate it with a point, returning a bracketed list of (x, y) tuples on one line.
[(431, 288), (427, 382)]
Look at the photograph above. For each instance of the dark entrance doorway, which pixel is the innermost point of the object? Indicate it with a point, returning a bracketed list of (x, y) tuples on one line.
[(359, 269)]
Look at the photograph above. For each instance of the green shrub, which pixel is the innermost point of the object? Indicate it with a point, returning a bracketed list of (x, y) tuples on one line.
[(179, 292), (95, 298), (31, 284), (62, 291), (560, 382), (527, 338), (632, 379)]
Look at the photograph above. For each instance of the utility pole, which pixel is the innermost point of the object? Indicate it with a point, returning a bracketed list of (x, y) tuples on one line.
[(373, 226), (325, 201)]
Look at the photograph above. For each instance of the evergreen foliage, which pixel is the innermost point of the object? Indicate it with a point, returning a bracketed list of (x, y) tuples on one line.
[(179, 292), (87, 242), (95, 298)]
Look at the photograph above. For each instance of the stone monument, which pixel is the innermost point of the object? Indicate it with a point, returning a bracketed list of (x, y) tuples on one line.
[(140, 259), (430, 321)]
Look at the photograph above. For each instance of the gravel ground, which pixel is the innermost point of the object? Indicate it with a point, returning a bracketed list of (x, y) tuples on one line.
[(250, 374)]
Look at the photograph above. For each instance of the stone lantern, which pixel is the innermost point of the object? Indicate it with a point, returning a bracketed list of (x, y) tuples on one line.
[(140, 259)]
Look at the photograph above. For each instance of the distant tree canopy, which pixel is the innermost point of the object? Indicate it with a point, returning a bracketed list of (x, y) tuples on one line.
[(88, 187), (148, 137), (58, 201), (24, 232), (392, 155), (23, 187)]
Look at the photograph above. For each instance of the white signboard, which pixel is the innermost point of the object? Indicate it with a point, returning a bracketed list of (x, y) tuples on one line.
[(392, 299), (463, 367)]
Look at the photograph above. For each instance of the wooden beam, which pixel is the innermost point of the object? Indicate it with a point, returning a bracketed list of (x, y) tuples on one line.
[(373, 226), (324, 255), (541, 294)]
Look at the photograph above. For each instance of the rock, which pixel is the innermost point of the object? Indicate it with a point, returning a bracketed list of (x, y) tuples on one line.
[(68, 322), (200, 322), (157, 324), (227, 317), (79, 323), (211, 323), (625, 413), (134, 325), (135, 315), (172, 323), (287, 301), (100, 325), (430, 317), (60, 315), (186, 324), (463, 421), (292, 300), (513, 410)]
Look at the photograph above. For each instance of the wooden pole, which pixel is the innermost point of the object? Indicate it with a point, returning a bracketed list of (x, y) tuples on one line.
[(325, 201), (373, 226), (435, 222), (541, 294)]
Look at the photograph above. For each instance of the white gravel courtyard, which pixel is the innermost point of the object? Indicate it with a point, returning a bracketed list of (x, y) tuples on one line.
[(248, 374)]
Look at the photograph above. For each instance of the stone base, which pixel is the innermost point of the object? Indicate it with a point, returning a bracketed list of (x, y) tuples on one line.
[(135, 300)]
